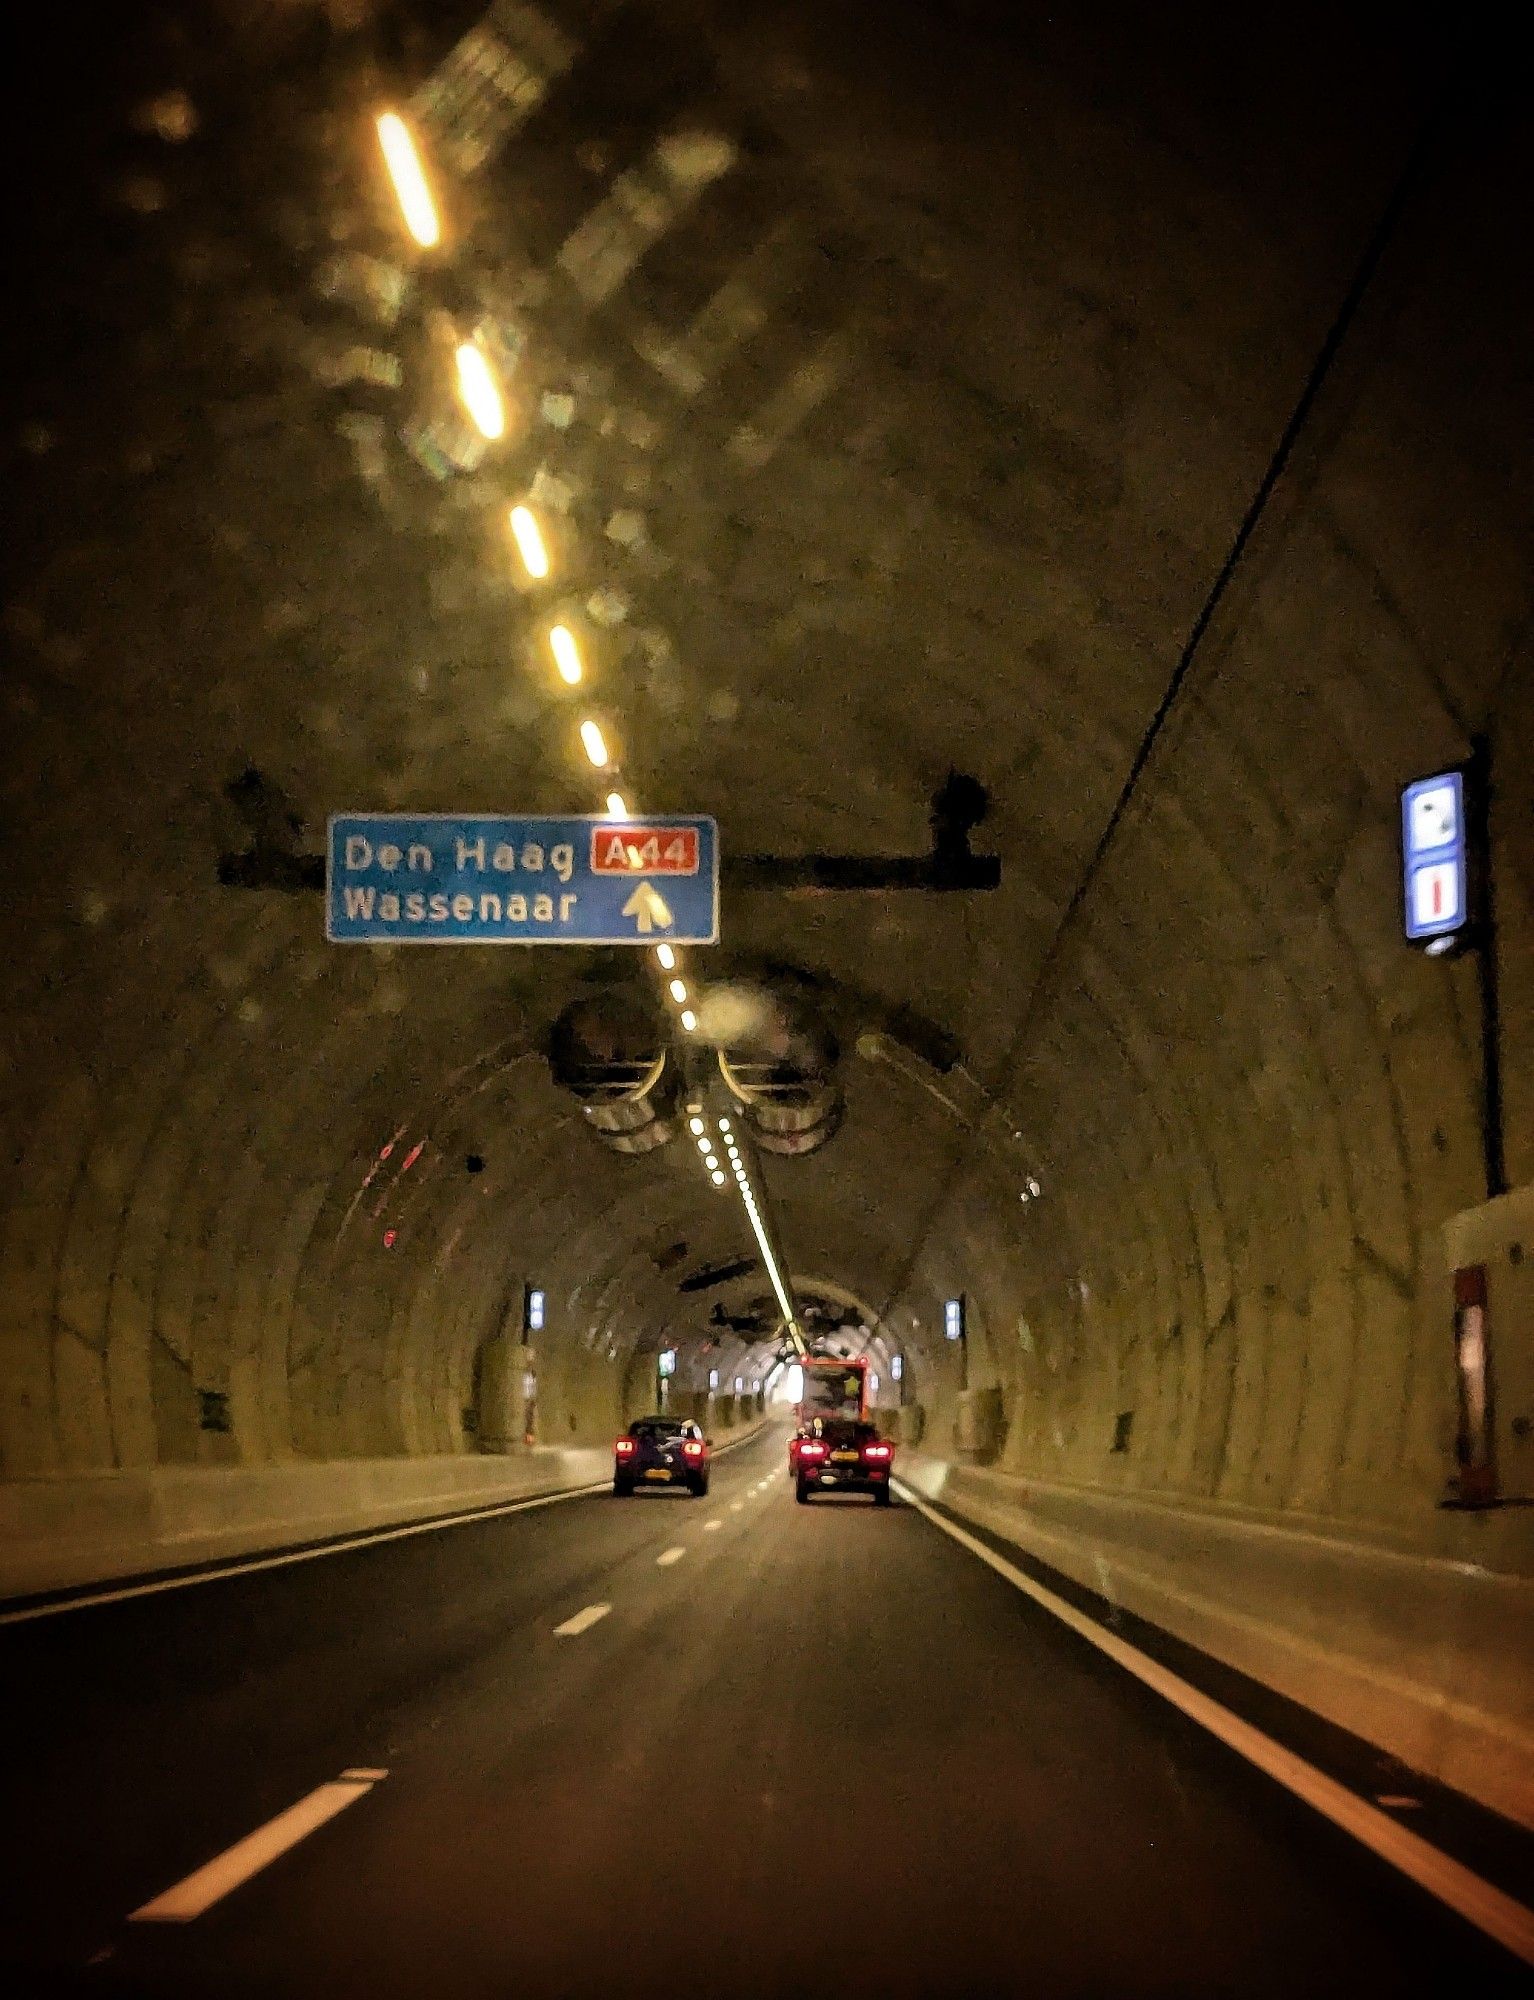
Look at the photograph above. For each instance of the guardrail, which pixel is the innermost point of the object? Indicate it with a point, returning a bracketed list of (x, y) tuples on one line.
[(1426, 1655), (67, 1531)]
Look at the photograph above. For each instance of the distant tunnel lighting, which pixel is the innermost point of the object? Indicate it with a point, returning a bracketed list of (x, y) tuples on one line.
[(689, 1019), (409, 178), (678, 990), (724, 1124), (666, 956), (617, 808), (717, 1178), (695, 1126), (480, 391), (596, 744), (567, 658), (529, 541)]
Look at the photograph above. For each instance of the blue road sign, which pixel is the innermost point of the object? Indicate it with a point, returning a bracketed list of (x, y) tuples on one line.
[(466, 878), (1434, 854)]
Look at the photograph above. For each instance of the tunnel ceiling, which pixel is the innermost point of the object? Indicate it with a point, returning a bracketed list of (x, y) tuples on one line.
[(1036, 299)]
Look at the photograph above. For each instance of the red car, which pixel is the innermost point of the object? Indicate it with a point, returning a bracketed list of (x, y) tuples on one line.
[(841, 1457)]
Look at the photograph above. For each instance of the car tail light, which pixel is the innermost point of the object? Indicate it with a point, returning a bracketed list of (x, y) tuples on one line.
[(624, 1447), (808, 1450), (876, 1451), (692, 1449)]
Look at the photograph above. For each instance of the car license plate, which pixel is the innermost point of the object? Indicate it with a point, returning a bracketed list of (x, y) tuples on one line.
[(845, 1457), (657, 1472)]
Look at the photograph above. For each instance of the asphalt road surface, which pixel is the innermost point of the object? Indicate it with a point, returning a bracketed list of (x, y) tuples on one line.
[(817, 1750)]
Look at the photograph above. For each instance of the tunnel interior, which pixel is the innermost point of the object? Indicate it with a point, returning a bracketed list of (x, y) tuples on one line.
[(1174, 1109)]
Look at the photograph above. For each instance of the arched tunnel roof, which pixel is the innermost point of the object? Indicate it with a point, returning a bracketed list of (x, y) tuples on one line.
[(944, 483)]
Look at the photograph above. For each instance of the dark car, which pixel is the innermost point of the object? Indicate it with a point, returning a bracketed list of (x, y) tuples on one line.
[(661, 1451), (843, 1456)]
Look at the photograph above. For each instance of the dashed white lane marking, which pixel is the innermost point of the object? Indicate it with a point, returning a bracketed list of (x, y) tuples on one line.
[(710, 1525), (369, 1538), (287, 1556), (668, 1556), (736, 1506), (1511, 1923), (209, 1884), (582, 1621)]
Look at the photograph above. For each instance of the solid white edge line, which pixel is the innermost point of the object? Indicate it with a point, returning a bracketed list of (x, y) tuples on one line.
[(280, 1559), (1490, 1909), (209, 1884), (669, 1556), (283, 1558), (582, 1621)]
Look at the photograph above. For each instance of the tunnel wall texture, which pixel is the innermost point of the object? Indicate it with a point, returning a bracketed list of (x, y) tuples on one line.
[(1254, 1110), (239, 1228)]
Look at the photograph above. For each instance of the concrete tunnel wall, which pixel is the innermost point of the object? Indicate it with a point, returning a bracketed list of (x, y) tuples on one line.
[(1249, 1108)]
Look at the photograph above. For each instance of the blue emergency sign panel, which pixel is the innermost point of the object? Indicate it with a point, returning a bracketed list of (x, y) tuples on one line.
[(1434, 853), (470, 878)]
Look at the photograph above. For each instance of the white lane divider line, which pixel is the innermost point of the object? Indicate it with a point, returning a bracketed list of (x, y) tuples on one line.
[(369, 1538), (709, 1526), (668, 1556), (209, 1884), (582, 1621), (736, 1506), (372, 1538), (1490, 1909)]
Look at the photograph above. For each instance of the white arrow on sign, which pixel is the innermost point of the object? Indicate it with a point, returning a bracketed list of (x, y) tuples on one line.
[(649, 909)]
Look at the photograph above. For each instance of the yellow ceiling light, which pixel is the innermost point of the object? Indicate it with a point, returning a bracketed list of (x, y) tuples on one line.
[(689, 1019), (666, 956), (595, 742), (479, 391), (567, 656), (678, 990), (617, 806), (409, 178), (528, 537)]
